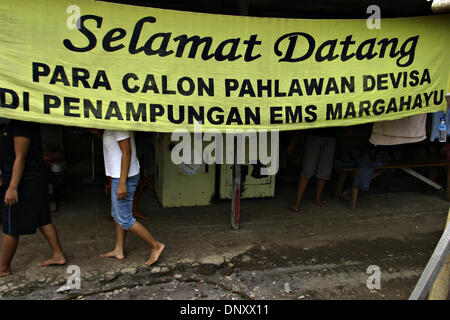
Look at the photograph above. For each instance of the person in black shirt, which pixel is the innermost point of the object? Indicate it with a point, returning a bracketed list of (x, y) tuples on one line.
[(25, 193)]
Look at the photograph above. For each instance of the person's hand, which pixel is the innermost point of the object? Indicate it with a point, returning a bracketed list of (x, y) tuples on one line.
[(122, 191), (290, 148), (11, 197)]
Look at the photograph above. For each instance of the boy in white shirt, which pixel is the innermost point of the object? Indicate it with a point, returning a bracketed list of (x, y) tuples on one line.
[(122, 165)]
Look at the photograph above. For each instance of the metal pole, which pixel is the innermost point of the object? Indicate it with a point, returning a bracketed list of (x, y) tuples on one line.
[(236, 196)]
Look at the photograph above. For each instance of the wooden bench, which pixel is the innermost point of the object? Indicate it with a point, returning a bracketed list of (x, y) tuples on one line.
[(345, 171)]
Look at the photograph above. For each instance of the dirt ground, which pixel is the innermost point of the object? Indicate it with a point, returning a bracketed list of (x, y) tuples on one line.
[(319, 253)]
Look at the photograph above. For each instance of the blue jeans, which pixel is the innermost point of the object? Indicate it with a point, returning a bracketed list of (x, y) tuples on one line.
[(122, 210)]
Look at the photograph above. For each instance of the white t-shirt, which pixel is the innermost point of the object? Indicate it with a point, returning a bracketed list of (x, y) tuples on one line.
[(113, 155)]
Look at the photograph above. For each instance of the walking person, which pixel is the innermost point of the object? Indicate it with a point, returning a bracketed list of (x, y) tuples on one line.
[(122, 165), (25, 193), (145, 179), (317, 161)]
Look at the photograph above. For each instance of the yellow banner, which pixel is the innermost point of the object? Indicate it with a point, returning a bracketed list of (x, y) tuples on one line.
[(95, 64)]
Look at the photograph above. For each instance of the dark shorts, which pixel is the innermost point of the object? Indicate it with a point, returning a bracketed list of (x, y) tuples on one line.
[(31, 212), (318, 157)]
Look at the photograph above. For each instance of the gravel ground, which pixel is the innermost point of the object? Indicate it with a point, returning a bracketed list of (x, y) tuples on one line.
[(276, 254)]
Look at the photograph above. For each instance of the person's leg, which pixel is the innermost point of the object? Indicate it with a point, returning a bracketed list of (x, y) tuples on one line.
[(50, 234), (118, 251), (10, 241), (128, 222), (324, 167), (309, 165), (302, 184), (319, 189), (157, 247), (9, 246)]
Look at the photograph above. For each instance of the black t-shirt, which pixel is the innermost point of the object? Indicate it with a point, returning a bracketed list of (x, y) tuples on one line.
[(34, 164)]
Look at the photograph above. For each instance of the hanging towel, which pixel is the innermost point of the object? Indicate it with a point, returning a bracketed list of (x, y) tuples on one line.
[(436, 122), (401, 131)]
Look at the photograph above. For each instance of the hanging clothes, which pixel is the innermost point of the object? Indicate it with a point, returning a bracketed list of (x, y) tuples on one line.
[(436, 122), (406, 130)]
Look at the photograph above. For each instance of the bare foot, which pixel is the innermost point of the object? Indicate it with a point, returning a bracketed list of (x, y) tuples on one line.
[(53, 261), (139, 215), (320, 203), (154, 256), (116, 254), (5, 271), (294, 208)]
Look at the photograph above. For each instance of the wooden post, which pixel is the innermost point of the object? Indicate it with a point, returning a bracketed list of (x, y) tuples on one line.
[(236, 196), (354, 193), (340, 184), (354, 197), (422, 178), (439, 291)]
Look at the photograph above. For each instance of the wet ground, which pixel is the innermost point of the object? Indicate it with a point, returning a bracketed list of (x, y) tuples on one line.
[(276, 254)]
